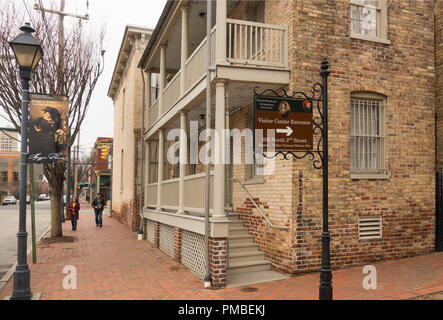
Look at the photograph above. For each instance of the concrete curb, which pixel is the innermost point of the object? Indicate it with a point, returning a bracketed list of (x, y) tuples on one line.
[(10, 273)]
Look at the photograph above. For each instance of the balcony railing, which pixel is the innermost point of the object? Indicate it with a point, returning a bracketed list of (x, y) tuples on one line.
[(254, 43), (153, 113), (171, 93), (194, 194), (196, 64)]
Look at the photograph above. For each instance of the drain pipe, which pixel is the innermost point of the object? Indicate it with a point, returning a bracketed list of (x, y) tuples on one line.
[(207, 280), (142, 151)]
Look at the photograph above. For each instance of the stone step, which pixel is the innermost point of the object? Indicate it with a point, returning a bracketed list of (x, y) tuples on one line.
[(239, 231), (245, 256), (240, 239), (249, 266), (236, 224), (243, 247)]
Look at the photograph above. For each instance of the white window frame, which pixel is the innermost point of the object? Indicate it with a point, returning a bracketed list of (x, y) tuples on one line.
[(359, 132), (381, 23)]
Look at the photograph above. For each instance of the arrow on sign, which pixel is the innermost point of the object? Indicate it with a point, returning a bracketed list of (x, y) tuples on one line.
[(288, 131)]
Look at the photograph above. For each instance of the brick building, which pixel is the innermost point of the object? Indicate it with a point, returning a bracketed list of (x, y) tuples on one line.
[(126, 91), (100, 177), (385, 132)]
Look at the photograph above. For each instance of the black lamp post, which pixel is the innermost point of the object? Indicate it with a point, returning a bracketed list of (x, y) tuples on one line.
[(28, 53)]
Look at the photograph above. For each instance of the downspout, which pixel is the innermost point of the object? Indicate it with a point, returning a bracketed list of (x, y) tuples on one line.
[(142, 138), (207, 280)]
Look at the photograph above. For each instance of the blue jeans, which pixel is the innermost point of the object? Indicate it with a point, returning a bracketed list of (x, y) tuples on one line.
[(74, 222), (98, 216)]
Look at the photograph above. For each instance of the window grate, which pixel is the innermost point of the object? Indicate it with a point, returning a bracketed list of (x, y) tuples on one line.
[(193, 252), (369, 227), (166, 239), (367, 136), (150, 231)]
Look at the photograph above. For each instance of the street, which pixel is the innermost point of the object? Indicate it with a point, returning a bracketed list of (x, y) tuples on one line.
[(9, 228)]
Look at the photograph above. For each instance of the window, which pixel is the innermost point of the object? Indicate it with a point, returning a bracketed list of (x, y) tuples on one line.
[(368, 135), (123, 108), (154, 87), (7, 144), (15, 176), (5, 176), (369, 20), (121, 170), (153, 161)]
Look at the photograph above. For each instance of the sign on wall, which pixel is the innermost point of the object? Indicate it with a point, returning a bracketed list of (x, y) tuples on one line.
[(48, 128), (291, 120)]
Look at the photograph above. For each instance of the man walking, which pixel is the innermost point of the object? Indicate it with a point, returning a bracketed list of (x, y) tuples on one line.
[(98, 204)]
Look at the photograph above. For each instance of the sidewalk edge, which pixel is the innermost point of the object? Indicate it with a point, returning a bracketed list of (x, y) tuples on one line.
[(9, 274)]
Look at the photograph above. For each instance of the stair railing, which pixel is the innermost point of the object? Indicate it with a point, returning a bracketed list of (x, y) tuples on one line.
[(258, 207)]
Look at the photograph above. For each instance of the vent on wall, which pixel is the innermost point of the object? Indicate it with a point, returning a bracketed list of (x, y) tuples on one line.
[(369, 227)]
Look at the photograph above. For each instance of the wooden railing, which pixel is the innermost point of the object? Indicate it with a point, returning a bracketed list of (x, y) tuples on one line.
[(195, 192), (169, 193), (171, 93), (256, 43), (153, 113), (196, 64), (151, 195)]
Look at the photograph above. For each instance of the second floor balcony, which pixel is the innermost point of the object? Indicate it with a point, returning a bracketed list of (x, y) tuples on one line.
[(241, 50)]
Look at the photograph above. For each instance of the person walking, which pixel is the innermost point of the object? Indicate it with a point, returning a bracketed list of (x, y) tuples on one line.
[(98, 204), (73, 212)]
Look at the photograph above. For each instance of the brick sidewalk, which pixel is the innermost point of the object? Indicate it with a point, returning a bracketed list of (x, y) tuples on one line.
[(112, 264)]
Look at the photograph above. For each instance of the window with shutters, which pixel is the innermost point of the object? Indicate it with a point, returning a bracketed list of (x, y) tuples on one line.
[(369, 20), (368, 136)]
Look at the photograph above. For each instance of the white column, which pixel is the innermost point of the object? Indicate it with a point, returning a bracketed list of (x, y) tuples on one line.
[(147, 170), (162, 83), (184, 47), (219, 166), (183, 161), (147, 97), (161, 162), (220, 48)]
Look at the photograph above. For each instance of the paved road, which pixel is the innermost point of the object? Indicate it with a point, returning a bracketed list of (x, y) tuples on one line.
[(9, 228)]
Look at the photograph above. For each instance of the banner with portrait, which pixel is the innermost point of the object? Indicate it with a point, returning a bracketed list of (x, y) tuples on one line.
[(48, 128)]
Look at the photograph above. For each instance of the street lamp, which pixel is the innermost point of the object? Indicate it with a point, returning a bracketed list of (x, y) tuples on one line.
[(27, 53)]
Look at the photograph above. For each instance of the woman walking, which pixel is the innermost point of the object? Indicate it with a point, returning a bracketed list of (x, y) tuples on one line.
[(73, 212)]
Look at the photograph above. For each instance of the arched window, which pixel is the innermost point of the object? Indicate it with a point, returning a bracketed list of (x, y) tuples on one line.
[(122, 165), (368, 135)]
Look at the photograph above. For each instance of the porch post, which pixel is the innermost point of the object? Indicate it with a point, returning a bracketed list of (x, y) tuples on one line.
[(162, 83), (147, 169), (219, 149), (184, 47), (220, 44), (161, 160), (148, 98), (183, 161)]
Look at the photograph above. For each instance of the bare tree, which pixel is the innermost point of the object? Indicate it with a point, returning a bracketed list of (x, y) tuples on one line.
[(75, 76)]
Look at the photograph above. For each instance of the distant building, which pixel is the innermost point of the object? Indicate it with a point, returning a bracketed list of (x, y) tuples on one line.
[(125, 90), (9, 166), (100, 177)]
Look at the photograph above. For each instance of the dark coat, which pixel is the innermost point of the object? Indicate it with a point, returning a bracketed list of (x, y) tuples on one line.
[(99, 203), (73, 210)]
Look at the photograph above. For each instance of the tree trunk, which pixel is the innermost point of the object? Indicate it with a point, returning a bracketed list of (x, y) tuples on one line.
[(55, 174)]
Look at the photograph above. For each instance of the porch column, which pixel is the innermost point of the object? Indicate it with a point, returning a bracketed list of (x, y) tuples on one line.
[(147, 97), (184, 47), (162, 83), (220, 42), (183, 161), (147, 170), (219, 146), (161, 160)]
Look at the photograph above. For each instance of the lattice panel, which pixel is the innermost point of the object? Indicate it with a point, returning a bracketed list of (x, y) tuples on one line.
[(166, 239), (150, 231), (193, 252)]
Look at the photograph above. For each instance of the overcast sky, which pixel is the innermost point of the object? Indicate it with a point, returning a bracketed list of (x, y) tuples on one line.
[(114, 15)]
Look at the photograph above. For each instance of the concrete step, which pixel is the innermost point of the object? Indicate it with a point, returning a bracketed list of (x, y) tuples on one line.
[(236, 224), (234, 217), (239, 231), (240, 239), (244, 279), (246, 256), (243, 247), (249, 266)]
